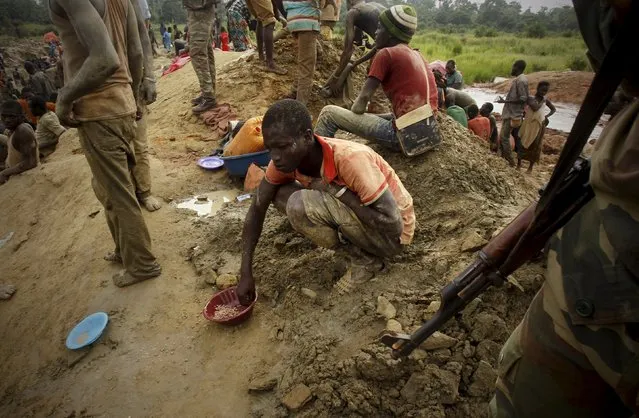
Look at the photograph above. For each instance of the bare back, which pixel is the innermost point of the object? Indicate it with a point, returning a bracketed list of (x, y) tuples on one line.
[(367, 17)]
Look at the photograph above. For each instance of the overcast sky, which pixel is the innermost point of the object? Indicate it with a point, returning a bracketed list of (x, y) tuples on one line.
[(536, 4)]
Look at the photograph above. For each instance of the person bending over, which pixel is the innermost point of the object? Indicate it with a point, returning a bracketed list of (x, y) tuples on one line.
[(402, 73), (339, 194)]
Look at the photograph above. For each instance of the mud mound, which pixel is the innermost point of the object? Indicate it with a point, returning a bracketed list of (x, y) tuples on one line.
[(16, 51), (565, 87), (461, 192), (251, 89)]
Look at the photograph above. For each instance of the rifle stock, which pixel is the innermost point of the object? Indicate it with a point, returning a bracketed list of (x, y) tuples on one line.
[(511, 248)]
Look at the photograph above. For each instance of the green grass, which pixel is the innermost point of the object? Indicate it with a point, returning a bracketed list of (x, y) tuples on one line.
[(27, 30), (481, 59)]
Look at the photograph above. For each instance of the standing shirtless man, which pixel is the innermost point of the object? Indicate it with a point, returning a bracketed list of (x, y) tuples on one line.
[(363, 17), (103, 71)]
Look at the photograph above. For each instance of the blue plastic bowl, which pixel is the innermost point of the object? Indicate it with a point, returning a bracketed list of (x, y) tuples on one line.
[(87, 331), (238, 165)]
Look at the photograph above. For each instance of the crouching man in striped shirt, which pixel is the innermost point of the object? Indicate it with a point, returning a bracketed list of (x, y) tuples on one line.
[(339, 194)]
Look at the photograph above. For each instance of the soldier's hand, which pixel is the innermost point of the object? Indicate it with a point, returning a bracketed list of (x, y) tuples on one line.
[(148, 90)]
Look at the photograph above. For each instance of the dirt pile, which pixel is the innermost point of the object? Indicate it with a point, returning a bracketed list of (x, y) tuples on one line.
[(565, 87), (462, 195), (251, 89), (16, 52)]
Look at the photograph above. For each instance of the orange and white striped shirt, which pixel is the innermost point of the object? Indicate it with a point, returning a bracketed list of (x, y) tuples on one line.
[(362, 171)]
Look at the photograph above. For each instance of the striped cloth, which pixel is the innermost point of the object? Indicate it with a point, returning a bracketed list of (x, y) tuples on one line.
[(302, 15)]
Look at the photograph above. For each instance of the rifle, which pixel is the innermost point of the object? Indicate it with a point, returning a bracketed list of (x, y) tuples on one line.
[(567, 191), (490, 268)]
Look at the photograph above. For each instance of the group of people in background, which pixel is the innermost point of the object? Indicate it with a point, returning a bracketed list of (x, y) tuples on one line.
[(523, 118)]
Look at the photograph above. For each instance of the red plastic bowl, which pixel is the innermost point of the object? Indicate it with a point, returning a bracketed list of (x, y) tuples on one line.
[(228, 297)]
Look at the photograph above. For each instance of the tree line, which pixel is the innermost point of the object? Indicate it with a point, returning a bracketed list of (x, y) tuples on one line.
[(487, 18)]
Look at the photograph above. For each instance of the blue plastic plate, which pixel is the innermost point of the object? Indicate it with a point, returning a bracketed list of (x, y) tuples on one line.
[(87, 331), (210, 163)]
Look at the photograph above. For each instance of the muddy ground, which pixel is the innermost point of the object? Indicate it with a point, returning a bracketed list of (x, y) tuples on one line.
[(313, 351)]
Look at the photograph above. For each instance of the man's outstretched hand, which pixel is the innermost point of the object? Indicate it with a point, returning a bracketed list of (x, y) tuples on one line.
[(245, 290)]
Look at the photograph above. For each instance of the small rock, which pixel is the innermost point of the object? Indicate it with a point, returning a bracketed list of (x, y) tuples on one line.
[(224, 281), (488, 327), (516, 283), (418, 354), (472, 242), (432, 309), (279, 242), (488, 351), (438, 341), (211, 278), (483, 380), (441, 356), (195, 148), (469, 311), (393, 325), (431, 384), (385, 308), (295, 242), (262, 384), (453, 367), (308, 292), (402, 175), (468, 350), (393, 393), (297, 397)]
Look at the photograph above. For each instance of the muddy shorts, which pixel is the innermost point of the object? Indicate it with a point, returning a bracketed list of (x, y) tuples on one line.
[(262, 10), (328, 213)]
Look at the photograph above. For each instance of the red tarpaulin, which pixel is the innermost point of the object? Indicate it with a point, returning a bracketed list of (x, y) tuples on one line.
[(177, 63)]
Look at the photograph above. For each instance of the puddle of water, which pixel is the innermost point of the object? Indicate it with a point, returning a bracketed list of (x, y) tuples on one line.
[(561, 121), (207, 204)]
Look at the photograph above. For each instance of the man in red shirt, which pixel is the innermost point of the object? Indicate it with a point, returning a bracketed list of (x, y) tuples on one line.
[(477, 124), (403, 74), (339, 194)]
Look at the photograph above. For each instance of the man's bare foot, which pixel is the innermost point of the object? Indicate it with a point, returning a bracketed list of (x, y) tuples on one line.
[(360, 271), (125, 278), (6, 291), (261, 57), (151, 203), (113, 257), (529, 171), (275, 69)]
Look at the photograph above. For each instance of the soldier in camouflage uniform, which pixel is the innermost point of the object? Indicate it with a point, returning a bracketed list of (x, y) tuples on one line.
[(200, 17), (576, 352)]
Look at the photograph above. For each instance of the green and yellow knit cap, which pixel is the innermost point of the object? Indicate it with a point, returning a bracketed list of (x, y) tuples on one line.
[(400, 21)]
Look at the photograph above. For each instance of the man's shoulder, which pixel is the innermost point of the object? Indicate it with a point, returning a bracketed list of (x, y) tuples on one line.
[(345, 150), (49, 117)]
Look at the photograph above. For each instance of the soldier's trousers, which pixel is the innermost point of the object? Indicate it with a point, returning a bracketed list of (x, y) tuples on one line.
[(306, 60), (201, 49), (108, 150), (576, 352), (142, 167)]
